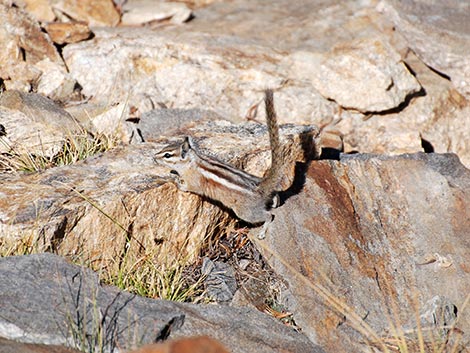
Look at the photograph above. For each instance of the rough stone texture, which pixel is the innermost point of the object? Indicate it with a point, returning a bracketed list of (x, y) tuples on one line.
[(10, 346), (102, 118), (438, 32), (55, 82), (40, 9), (91, 209), (112, 122), (137, 12), (158, 122), (44, 299), (68, 32), (33, 124), (224, 57), (185, 345), (367, 75), (384, 235), (93, 12), (23, 45), (204, 65), (438, 116)]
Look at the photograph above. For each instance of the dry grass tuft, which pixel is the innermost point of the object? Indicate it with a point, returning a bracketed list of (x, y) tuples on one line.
[(76, 147)]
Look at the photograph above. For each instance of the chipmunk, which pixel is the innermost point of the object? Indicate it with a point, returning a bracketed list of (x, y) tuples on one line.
[(251, 198)]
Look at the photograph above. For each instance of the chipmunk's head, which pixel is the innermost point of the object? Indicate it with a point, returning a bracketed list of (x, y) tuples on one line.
[(176, 156)]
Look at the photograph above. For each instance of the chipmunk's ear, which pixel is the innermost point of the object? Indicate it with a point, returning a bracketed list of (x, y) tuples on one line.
[(185, 147)]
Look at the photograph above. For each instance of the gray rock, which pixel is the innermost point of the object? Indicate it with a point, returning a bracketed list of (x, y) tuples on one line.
[(220, 283), (164, 122), (48, 300)]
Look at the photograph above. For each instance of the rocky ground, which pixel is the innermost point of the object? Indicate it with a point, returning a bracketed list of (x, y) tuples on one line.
[(369, 250)]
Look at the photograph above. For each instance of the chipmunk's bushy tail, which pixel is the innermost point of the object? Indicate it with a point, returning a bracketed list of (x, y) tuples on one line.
[(273, 176)]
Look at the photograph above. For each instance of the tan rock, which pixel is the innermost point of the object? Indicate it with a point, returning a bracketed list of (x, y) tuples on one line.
[(10, 346), (436, 117), (185, 345), (98, 204), (93, 12), (68, 32), (33, 124), (136, 12), (367, 75), (111, 122), (40, 9), (24, 45), (223, 58), (19, 75)]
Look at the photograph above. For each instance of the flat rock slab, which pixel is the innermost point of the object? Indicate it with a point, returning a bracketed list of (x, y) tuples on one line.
[(47, 300)]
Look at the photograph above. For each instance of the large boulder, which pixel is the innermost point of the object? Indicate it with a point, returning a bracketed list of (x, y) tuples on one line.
[(47, 300), (372, 242)]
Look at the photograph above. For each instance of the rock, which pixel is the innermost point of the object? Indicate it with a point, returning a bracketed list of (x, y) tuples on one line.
[(21, 34), (9, 346), (68, 32), (48, 300), (158, 122), (220, 282), (367, 75), (224, 57), (213, 62), (136, 12), (123, 193), (111, 122), (434, 117), (55, 82), (359, 234), (156, 73), (438, 313), (93, 12), (202, 344), (40, 9), (34, 124), (438, 32)]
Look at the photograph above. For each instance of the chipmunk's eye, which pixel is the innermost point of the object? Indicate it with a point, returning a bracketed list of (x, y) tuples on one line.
[(167, 155)]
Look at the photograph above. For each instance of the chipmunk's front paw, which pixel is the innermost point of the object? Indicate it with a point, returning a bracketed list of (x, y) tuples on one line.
[(264, 230)]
